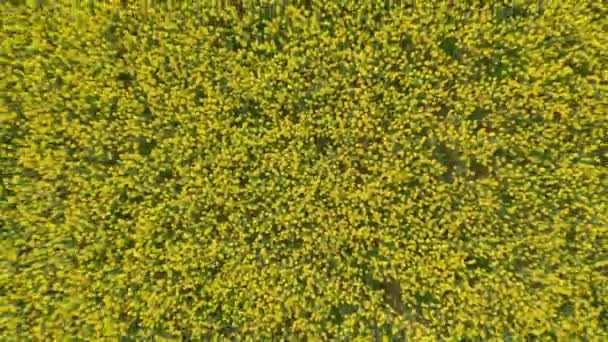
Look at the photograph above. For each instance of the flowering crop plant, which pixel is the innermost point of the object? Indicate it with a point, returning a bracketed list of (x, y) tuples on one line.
[(359, 171)]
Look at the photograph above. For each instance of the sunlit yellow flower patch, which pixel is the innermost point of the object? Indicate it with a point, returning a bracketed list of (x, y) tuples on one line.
[(345, 173)]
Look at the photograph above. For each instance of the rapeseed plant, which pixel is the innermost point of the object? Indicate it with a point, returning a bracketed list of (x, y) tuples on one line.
[(429, 172)]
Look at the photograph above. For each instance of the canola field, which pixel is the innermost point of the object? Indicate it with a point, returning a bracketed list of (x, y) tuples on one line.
[(324, 171)]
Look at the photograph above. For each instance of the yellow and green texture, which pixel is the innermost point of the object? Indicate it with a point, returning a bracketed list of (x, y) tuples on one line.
[(340, 174)]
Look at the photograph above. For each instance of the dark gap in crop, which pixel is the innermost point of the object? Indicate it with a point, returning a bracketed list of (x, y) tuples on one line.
[(494, 67), (507, 154), (221, 215), (231, 42), (501, 71), (286, 326), (110, 34), (406, 43), (482, 263), (323, 144), (151, 42), (344, 45), (248, 111), (185, 335), (125, 78), (537, 285), (108, 159), (162, 333), (295, 243), (393, 295), (519, 265), (370, 281), (164, 175), (449, 45), (443, 110), (341, 311), (458, 280), (515, 11), (387, 333), (544, 336), (603, 317), (145, 146), (467, 339), (479, 171), (567, 309), (134, 327), (473, 281), (229, 330), (478, 116), (119, 209), (253, 238), (449, 158), (424, 298), (571, 239)]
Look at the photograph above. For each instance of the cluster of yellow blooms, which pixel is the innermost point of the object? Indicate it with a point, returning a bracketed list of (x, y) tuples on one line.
[(425, 172)]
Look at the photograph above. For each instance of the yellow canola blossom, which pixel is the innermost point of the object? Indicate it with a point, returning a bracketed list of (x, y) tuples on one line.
[(358, 173)]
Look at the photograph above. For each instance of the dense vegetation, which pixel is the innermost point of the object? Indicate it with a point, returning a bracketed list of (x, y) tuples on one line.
[(419, 171)]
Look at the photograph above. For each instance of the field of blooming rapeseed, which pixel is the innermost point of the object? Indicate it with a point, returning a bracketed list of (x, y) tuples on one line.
[(357, 172)]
